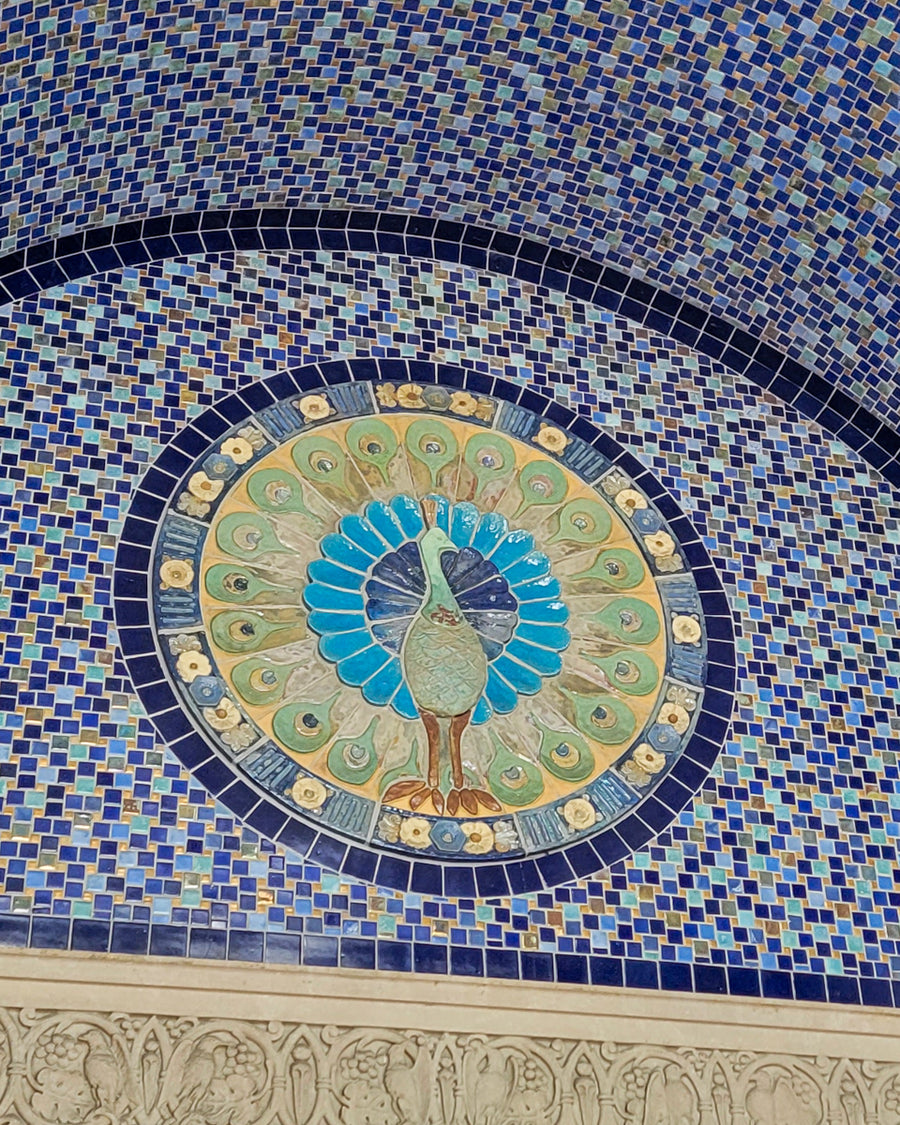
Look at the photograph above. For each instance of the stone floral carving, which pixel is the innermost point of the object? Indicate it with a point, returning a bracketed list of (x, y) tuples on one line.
[(87, 1068)]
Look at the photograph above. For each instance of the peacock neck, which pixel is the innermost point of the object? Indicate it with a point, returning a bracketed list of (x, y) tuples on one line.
[(438, 592)]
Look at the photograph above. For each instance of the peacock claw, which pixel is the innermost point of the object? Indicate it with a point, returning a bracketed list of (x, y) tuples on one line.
[(418, 793), (490, 802), (401, 789), (418, 799), (470, 799)]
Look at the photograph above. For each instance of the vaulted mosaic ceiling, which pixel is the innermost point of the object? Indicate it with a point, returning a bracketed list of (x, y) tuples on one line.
[(267, 774), (745, 158)]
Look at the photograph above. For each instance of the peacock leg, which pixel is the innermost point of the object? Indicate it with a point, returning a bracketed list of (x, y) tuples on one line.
[(457, 725), (417, 790), (432, 726), (431, 789), (460, 794)]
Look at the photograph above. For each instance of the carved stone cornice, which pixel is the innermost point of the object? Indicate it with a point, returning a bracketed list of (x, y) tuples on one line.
[(113, 1041)]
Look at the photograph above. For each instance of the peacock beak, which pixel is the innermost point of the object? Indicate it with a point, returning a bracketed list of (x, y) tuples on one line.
[(429, 511)]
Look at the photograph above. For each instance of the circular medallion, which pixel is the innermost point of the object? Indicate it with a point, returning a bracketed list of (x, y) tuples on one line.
[(418, 615)]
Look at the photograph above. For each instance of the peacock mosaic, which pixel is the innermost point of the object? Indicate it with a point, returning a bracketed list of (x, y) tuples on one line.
[(428, 620)]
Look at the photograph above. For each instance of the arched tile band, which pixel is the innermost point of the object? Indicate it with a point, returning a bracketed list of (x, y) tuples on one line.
[(132, 243)]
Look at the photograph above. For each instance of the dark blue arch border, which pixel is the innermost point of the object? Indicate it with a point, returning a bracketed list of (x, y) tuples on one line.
[(131, 593), (99, 250)]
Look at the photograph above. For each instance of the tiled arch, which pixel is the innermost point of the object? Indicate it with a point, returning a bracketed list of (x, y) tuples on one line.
[(25, 273), (129, 936)]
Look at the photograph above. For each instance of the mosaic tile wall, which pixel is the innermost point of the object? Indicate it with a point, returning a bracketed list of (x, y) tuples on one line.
[(745, 157), (787, 860)]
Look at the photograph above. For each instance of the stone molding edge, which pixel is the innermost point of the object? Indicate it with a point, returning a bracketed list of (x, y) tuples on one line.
[(103, 1040)]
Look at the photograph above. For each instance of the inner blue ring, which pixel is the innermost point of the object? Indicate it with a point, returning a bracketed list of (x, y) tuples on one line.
[(397, 588)]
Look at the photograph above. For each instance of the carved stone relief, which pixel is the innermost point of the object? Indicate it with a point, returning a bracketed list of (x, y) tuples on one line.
[(85, 1068)]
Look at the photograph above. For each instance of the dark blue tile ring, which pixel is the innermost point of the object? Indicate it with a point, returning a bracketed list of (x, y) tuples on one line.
[(220, 771)]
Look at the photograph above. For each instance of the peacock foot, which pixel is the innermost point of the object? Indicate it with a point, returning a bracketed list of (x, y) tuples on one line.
[(418, 793), (470, 799)]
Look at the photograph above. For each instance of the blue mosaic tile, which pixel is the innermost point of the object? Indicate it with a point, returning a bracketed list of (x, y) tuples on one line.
[(742, 158), (781, 865)]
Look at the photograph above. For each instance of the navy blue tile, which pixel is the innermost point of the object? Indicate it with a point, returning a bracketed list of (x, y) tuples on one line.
[(554, 868), (429, 958), (743, 982), (283, 949), (267, 819), (523, 877), (297, 836), (842, 990), (208, 944), (459, 882), (329, 853), (609, 847), (608, 971), (571, 968), (501, 963), (710, 978), (130, 937), (491, 881), (583, 859), (393, 872), (245, 945), (641, 974), (320, 950), (356, 953), (427, 879), (361, 864), (634, 832), (675, 976), (168, 941), (14, 929), (809, 986), (466, 962), (215, 776), (171, 724), (776, 985), (191, 750), (876, 993), (537, 966), (395, 956), (90, 935), (48, 933)]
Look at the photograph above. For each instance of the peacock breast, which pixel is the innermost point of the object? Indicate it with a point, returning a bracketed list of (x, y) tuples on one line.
[(444, 665)]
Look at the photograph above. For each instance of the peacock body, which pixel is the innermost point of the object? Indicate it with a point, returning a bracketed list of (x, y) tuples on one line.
[(446, 670), (444, 663)]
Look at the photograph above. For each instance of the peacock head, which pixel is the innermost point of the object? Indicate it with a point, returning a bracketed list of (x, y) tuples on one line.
[(440, 605), (433, 544)]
